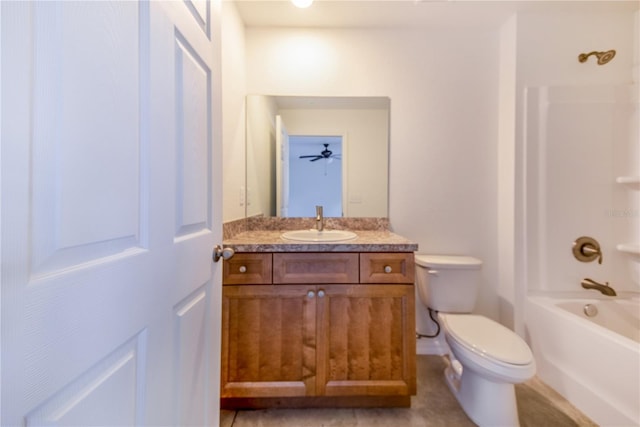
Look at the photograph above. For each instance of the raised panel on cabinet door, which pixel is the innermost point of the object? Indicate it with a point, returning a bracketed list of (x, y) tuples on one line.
[(366, 340), (387, 267), (268, 341), (313, 267)]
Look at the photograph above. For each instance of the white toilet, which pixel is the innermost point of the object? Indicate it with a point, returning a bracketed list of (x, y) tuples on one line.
[(486, 359)]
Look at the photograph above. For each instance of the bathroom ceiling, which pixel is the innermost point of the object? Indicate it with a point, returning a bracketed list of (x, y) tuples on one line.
[(402, 13)]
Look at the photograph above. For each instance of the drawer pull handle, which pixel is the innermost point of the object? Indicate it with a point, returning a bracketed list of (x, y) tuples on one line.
[(242, 269), (311, 294), (388, 269), (320, 293)]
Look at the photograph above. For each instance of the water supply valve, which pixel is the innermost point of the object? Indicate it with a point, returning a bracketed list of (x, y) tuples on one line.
[(587, 249)]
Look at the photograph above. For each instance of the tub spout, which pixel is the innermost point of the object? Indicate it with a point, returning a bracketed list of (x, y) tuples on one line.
[(604, 289)]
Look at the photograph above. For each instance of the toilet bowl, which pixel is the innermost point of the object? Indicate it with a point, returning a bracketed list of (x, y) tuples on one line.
[(485, 358), (493, 358)]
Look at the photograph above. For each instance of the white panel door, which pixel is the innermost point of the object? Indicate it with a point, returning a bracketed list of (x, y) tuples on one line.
[(111, 197)]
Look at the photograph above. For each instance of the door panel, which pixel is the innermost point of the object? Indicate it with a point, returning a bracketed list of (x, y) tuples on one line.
[(190, 358), (110, 301), (269, 341), (366, 347), (193, 97), (110, 390), (78, 96)]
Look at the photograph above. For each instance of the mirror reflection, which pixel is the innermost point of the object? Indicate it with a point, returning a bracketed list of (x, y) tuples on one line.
[(309, 151)]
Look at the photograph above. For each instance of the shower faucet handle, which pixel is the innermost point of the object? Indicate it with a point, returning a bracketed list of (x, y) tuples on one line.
[(587, 249)]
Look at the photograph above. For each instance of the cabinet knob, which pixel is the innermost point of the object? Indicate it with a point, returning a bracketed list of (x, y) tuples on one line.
[(311, 294), (388, 269), (242, 269), (320, 293)]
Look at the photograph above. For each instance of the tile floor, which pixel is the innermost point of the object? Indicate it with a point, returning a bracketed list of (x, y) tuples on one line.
[(434, 405)]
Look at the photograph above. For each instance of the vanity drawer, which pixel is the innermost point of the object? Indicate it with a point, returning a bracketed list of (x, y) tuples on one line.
[(314, 267), (247, 268), (387, 267)]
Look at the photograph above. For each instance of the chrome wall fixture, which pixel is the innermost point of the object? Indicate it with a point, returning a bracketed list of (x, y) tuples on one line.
[(603, 57)]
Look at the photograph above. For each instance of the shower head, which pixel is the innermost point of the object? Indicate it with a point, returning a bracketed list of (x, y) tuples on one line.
[(603, 57)]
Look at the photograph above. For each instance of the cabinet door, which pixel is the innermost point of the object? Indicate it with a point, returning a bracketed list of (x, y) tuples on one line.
[(268, 341), (366, 340)]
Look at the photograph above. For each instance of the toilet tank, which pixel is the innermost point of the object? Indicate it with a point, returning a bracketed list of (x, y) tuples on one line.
[(448, 283)]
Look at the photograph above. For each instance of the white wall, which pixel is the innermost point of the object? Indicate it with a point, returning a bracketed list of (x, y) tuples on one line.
[(506, 218), (261, 156), (233, 116)]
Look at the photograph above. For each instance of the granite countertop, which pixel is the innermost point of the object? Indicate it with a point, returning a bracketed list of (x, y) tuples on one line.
[(366, 241)]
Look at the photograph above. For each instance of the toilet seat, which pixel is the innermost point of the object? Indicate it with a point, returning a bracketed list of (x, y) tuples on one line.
[(487, 339)]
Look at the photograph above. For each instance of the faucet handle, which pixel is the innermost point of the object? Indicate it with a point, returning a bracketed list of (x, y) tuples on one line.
[(587, 249)]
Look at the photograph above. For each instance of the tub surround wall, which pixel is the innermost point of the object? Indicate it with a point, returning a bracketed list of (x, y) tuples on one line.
[(583, 99), (572, 188)]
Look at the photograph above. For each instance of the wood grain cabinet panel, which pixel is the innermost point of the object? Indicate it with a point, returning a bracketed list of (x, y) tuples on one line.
[(247, 268), (313, 267), (330, 326), (387, 268), (268, 341), (367, 340)]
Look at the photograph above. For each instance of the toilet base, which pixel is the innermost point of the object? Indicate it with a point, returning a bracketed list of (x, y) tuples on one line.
[(436, 346), (486, 402)]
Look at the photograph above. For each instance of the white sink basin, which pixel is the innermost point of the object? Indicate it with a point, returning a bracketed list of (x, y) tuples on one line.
[(314, 235)]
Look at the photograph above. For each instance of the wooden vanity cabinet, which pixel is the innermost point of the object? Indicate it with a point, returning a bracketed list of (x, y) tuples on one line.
[(325, 328)]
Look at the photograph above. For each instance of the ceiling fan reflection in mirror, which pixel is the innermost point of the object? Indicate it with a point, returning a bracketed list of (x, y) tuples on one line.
[(324, 154)]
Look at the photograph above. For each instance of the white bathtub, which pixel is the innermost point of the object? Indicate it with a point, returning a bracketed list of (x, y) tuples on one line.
[(594, 362)]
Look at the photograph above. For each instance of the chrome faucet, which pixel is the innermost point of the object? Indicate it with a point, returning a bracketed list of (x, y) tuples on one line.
[(592, 284), (319, 218)]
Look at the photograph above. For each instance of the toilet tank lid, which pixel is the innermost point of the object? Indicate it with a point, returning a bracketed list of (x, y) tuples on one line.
[(447, 261)]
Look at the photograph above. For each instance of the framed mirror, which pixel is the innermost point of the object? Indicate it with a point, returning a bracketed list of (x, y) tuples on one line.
[(308, 151)]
